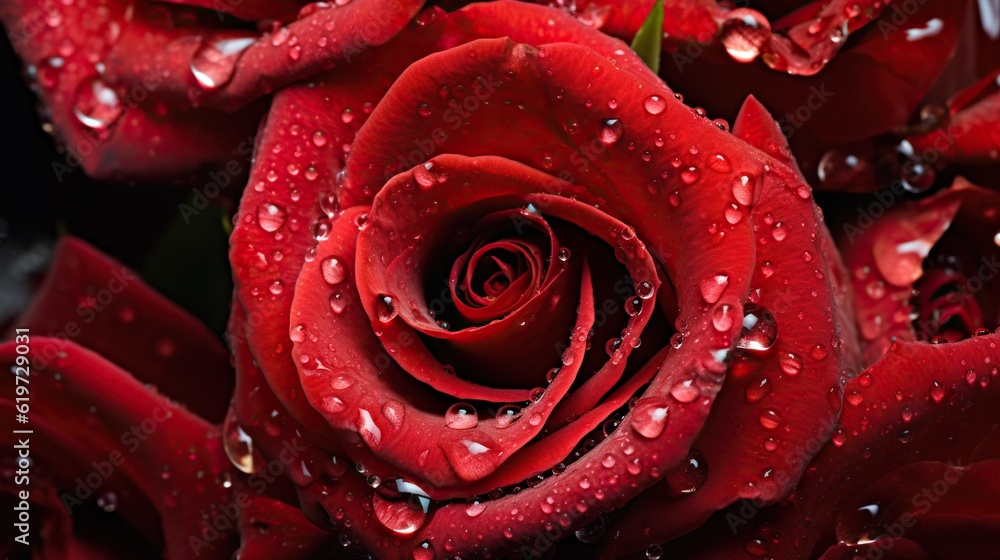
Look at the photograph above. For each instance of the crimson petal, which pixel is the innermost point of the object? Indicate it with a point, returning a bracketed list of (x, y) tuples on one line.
[(887, 258), (401, 428), (624, 453), (109, 77), (784, 388), (971, 133), (908, 408), (271, 529), (172, 457), (948, 508), (104, 306)]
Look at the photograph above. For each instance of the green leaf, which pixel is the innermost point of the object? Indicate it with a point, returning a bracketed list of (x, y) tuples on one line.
[(648, 41)]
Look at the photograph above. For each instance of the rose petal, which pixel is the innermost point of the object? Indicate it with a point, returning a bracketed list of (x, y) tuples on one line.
[(320, 38), (889, 549), (948, 508), (626, 452), (272, 529), (779, 394), (909, 405), (972, 131), (160, 447), (104, 306), (250, 10), (401, 429), (887, 259), (301, 114)]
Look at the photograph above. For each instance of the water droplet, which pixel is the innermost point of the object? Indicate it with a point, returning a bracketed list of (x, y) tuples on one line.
[(633, 306), (937, 392), (338, 303), (690, 175), (719, 163), (769, 418), (644, 290), (563, 254), (394, 411), (677, 340), (649, 418), (507, 415), (108, 501), (461, 416), (334, 271), (790, 363), (371, 433), (613, 345), (276, 287), (385, 308), (689, 476), (48, 71), (743, 190), (97, 105), (610, 131), (744, 32), (270, 217), (779, 231), (756, 392), (593, 532), (214, 63), (474, 507), (341, 382), (712, 287), (654, 552), (401, 517), (238, 446), (608, 461), (733, 214), (319, 139), (424, 551), (756, 547), (722, 318), (297, 333), (654, 104)]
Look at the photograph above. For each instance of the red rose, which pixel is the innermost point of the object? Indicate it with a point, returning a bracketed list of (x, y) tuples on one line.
[(501, 293), (461, 323)]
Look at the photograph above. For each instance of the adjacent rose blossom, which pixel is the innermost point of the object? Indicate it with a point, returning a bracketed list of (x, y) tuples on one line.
[(861, 89), (152, 90), (111, 458)]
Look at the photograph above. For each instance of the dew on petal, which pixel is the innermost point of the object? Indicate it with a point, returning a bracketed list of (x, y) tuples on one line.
[(461, 416)]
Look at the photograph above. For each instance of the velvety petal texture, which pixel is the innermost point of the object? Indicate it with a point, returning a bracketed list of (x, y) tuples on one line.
[(501, 291), (900, 415), (105, 307), (100, 435), (487, 169)]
